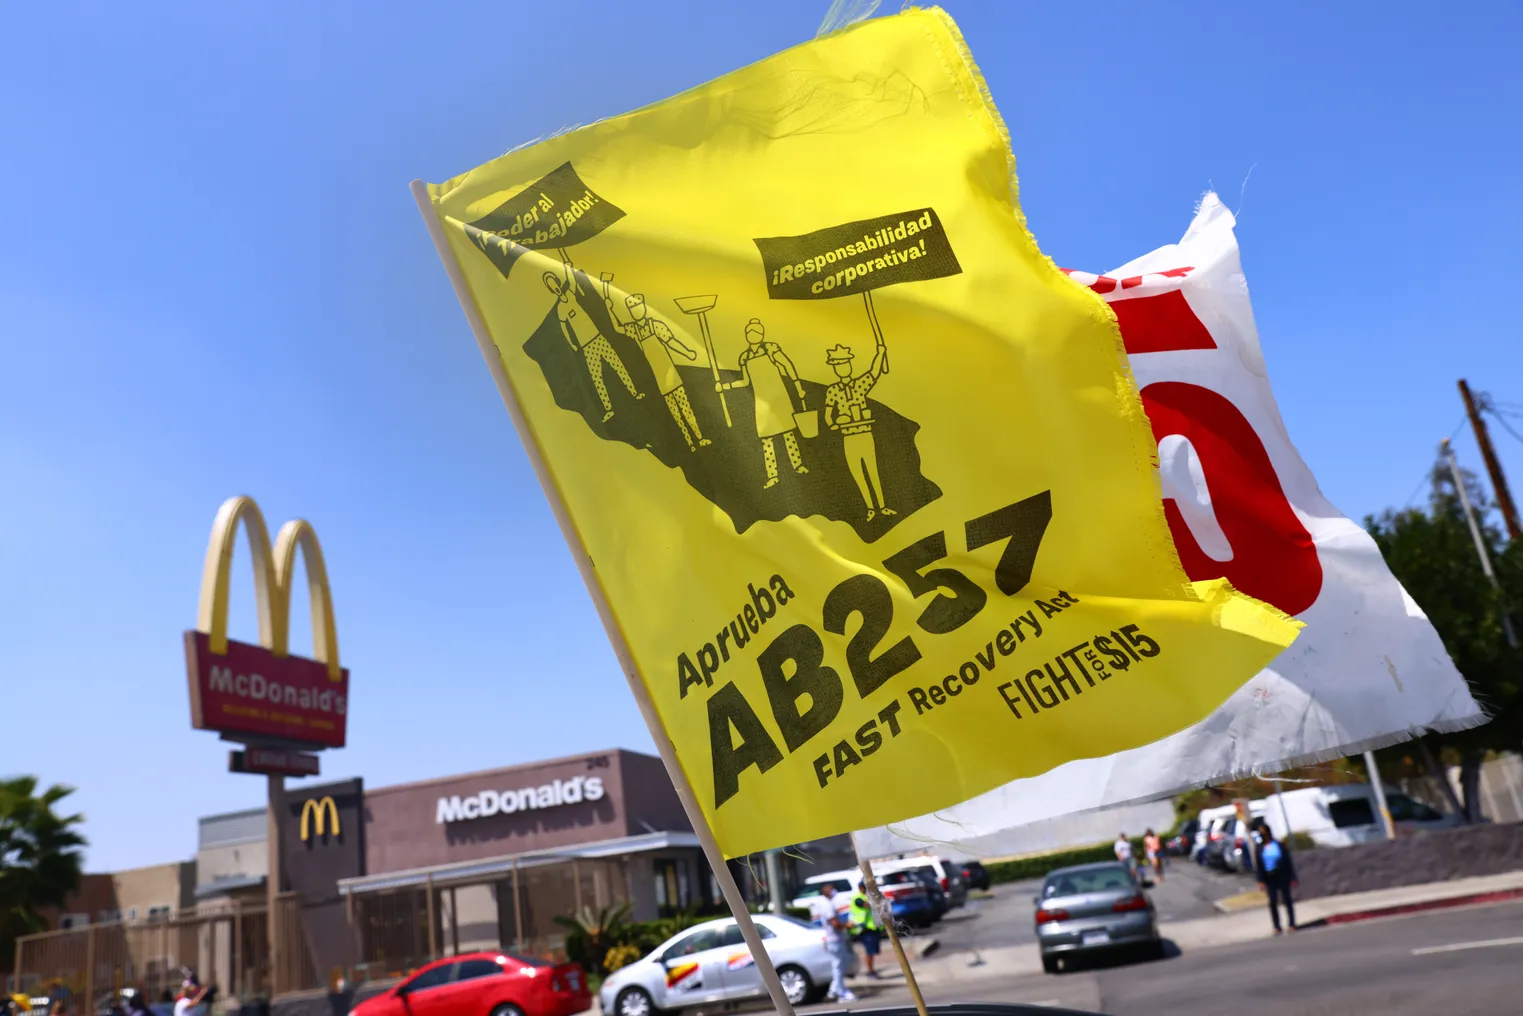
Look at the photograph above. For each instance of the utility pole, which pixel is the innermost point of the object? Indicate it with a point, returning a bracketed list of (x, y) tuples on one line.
[(1373, 771), (1475, 534), (1493, 465), (773, 859)]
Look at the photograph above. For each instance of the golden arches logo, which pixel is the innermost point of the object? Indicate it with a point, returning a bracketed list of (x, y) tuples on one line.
[(273, 570), (313, 810)]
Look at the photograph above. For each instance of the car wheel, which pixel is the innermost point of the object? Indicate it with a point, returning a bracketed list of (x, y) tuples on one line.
[(631, 1002), (1050, 964), (507, 1009), (796, 985)]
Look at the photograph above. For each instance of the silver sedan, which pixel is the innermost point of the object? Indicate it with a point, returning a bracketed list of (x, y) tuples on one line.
[(1094, 908), (709, 963)]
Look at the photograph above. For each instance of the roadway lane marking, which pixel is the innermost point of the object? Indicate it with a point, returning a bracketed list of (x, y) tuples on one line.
[(1490, 943)]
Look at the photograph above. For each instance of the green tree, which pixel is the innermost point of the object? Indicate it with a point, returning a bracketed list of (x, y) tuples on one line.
[(40, 858), (1433, 555)]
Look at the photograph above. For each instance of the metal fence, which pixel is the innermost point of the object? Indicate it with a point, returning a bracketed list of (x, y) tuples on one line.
[(394, 933), (401, 929), (228, 948)]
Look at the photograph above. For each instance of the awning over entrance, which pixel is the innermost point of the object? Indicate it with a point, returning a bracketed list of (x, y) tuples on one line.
[(468, 872)]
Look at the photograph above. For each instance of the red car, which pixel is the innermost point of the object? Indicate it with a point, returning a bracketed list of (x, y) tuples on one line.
[(485, 984)]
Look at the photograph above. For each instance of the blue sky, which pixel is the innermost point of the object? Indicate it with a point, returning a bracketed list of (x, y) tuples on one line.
[(213, 281)]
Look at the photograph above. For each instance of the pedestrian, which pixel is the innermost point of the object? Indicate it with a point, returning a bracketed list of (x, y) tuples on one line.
[(192, 994), (864, 923), (1277, 876), (1124, 850), (823, 909), (1154, 850)]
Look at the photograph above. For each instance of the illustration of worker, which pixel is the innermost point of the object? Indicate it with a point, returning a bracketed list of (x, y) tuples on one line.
[(660, 347), (764, 367), (576, 326), (847, 411)]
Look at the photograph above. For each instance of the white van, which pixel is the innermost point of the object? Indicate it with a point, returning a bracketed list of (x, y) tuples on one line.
[(1344, 815)]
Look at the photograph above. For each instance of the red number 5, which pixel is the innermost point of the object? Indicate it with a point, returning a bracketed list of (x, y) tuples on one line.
[(1273, 557)]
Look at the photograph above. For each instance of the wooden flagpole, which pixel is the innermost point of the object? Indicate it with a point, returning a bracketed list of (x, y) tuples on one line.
[(722, 875), (886, 915)]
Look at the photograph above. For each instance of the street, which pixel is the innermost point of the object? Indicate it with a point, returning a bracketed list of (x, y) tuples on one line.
[(1465, 961)]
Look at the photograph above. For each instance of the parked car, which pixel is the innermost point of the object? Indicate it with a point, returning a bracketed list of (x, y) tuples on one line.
[(485, 983), (1091, 908), (912, 899), (939, 902), (1218, 837), (710, 964), (943, 872), (1184, 841), (974, 874)]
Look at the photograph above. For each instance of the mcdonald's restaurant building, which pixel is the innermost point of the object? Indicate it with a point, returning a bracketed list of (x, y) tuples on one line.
[(386, 878)]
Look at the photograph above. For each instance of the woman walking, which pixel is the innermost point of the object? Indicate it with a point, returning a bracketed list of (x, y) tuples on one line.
[(1153, 848)]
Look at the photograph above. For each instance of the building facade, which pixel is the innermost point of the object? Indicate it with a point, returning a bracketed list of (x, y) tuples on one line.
[(377, 881), (490, 859)]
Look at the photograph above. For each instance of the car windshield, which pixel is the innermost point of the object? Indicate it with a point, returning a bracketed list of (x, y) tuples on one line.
[(899, 878), (1089, 880)]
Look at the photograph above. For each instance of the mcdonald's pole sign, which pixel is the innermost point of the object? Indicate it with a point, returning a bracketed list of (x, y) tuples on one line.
[(261, 693)]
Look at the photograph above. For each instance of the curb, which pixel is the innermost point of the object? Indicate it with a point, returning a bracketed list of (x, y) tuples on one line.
[(1497, 896)]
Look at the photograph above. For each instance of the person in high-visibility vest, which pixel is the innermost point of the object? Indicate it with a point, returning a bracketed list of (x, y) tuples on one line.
[(865, 927)]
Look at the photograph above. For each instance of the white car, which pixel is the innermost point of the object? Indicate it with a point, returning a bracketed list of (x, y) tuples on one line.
[(710, 964)]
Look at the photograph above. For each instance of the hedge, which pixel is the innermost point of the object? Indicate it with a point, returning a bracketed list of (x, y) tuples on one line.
[(1023, 868), (1037, 866)]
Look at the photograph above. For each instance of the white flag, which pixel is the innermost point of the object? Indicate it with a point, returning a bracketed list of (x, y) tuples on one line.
[(1368, 670)]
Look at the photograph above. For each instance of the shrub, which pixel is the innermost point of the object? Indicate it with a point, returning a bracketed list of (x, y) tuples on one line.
[(1023, 868), (621, 956)]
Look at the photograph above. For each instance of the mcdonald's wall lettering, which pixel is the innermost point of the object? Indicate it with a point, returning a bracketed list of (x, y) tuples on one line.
[(262, 691)]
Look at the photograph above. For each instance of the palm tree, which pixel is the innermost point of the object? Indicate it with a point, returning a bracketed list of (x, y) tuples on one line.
[(40, 858)]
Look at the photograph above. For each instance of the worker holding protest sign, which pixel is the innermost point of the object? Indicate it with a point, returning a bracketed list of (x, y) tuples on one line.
[(847, 411)]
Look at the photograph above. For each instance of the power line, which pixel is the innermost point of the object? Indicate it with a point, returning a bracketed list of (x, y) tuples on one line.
[(1507, 426)]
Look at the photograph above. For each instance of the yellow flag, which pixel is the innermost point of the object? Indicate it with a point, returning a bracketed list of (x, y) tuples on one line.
[(862, 477)]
